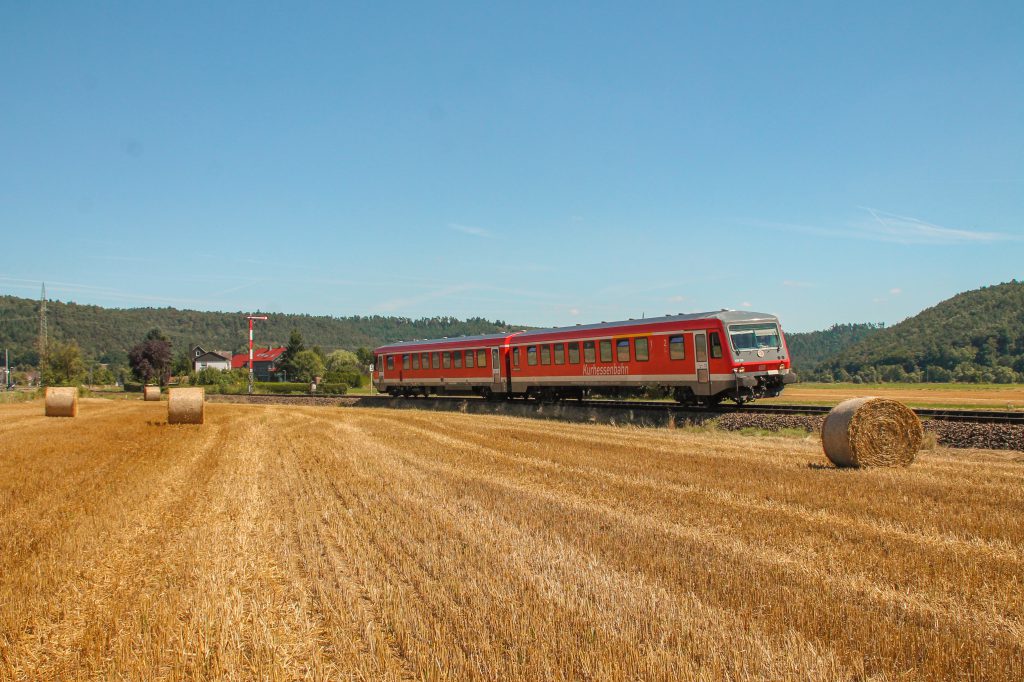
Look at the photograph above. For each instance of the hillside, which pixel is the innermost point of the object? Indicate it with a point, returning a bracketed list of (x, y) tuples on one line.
[(976, 336), (106, 334), (810, 349)]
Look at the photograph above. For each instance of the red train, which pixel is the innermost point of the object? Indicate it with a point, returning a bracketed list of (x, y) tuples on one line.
[(700, 358)]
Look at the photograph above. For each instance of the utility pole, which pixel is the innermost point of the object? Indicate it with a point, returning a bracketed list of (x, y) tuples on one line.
[(42, 333), (251, 318)]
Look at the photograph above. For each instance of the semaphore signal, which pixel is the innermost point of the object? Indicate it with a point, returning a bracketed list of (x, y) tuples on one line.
[(251, 318)]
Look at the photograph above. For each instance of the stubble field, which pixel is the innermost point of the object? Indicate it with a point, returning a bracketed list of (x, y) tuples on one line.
[(327, 543)]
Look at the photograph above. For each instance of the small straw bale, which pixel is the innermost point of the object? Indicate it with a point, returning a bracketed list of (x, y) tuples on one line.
[(151, 393), (185, 405), (871, 432), (62, 401)]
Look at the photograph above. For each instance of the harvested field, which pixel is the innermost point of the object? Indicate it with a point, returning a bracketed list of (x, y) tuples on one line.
[(280, 542)]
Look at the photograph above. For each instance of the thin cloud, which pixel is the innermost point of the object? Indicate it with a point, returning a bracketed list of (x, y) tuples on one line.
[(746, 304), (471, 230), (890, 227), (399, 303), (794, 284), (895, 291)]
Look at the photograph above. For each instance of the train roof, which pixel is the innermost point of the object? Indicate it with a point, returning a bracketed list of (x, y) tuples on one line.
[(726, 316)]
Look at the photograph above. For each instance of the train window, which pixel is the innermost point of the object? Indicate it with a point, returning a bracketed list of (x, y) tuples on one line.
[(622, 350), (435, 360), (458, 359), (446, 359), (531, 355), (716, 345), (425, 360), (380, 363), (405, 361), (470, 358), (391, 362), (545, 355), (642, 353), (574, 353), (701, 342), (481, 358), (415, 360), (676, 348), (515, 357), (559, 354), (606, 350), (588, 352)]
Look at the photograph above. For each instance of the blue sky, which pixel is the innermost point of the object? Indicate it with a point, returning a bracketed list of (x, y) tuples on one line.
[(541, 163)]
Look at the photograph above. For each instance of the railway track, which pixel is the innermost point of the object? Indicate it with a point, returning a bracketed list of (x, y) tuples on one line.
[(955, 415)]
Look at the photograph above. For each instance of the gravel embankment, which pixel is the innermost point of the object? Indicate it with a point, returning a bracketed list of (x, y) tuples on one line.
[(949, 434)]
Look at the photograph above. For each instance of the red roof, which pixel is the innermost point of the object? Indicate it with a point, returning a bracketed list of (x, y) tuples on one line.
[(240, 360)]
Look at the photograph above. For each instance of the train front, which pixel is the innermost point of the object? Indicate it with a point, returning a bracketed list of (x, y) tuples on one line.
[(760, 359)]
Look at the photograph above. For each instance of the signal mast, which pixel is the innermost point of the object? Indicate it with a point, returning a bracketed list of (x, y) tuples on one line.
[(251, 318)]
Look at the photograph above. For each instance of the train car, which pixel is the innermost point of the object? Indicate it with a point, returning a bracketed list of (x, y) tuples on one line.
[(461, 366), (700, 358)]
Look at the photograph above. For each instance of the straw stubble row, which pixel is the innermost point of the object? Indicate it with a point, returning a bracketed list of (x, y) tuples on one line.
[(370, 544)]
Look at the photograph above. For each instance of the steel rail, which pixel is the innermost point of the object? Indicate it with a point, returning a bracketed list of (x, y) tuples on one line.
[(944, 414)]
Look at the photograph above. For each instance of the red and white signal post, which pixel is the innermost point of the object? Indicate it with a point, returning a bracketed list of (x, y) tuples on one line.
[(251, 318)]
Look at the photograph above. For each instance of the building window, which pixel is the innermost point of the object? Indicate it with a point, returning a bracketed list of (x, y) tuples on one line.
[(676, 348), (415, 360), (458, 359), (642, 352), (446, 360), (716, 345), (481, 358), (545, 355), (470, 358), (435, 360), (391, 362), (559, 354), (574, 353), (515, 357), (589, 356), (531, 355), (405, 361), (606, 350), (622, 350)]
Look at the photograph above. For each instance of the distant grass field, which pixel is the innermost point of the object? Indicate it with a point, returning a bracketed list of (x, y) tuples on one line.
[(957, 396)]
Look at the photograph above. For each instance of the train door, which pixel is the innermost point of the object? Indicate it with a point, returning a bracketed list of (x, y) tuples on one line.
[(700, 354), (496, 370)]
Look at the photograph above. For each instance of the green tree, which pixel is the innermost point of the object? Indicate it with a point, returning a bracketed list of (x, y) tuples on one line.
[(365, 356), (64, 366), (308, 365), (286, 361)]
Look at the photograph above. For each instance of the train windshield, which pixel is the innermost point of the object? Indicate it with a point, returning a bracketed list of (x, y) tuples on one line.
[(755, 336)]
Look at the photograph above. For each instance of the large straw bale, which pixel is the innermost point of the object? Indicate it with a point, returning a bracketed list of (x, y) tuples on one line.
[(151, 393), (186, 405), (62, 401), (871, 432)]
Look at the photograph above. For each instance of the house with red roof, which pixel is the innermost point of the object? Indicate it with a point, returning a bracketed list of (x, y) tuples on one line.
[(264, 362)]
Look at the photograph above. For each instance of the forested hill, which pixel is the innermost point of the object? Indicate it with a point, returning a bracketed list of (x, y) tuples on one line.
[(976, 336), (106, 334), (810, 349)]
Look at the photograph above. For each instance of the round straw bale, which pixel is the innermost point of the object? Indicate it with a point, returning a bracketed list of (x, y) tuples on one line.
[(866, 432), (151, 393), (185, 405), (62, 401)]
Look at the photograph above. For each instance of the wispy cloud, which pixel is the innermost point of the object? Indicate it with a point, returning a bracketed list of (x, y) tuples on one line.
[(895, 291), (746, 304), (881, 226), (890, 227), (446, 292), (795, 284), (471, 229)]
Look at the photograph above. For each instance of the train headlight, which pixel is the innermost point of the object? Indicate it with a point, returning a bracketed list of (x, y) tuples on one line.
[(740, 370), (782, 365)]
